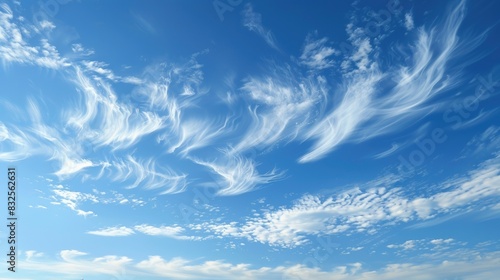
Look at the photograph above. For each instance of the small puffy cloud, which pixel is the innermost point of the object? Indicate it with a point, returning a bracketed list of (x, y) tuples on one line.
[(113, 231)]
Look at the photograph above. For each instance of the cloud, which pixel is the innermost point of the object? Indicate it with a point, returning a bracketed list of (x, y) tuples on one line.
[(316, 54), (194, 134), (409, 21), (441, 241), (253, 22), (174, 231), (113, 231), (286, 104), (74, 199), (63, 149), (71, 199), (364, 111), (143, 24), (33, 254), (15, 48), (238, 175), (488, 141), (99, 68), (167, 231), (79, 49), (16, 145), (408, 245), (341, 123), (146, 173), (103, 120), (362, 210), (73, 263), (388, 152)]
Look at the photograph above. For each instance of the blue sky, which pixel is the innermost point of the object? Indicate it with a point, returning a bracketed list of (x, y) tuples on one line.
[(252, 139)]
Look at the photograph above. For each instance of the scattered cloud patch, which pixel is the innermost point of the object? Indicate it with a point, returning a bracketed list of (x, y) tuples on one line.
[(316, 53), (112, 231), (409, 25), (253, 22)]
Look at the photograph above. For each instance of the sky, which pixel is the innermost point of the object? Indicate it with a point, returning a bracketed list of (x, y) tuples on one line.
[(238, 139)]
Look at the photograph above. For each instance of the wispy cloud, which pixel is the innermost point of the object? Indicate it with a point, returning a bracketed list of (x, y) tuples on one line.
[(174, 231), (316, 53), (166, 231), (72, 199), (361, 210), (73, 262), (146, 173), (253, 21), (238, 175), (285, 105), (80, 50), (63, 149), (144, 24), (16, 145), (75, 200), (339, 125), (194, 134), (102, 119), (388, 152), (363, 111), (15, 48), (486, 142), (409, 21), (113, 231)]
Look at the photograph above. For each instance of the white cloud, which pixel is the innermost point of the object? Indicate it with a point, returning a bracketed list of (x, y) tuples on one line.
[(113, 231), (361, 210), (15, 48), (32, 254), (194, 134), (408, 245), (63, 149), (16, 145), (253, 21), (174, 231), (102, 119), (441, 241), (38, 207), (99, 68), (68, 255), (75, 263), (354, 109), (163, 230), (316, 54), (146, 173), (487, 141), (85, 213), (286, 105), (364, 111), (238, 175), (72, 263), (388, 152), (79, 49), (45, 24), (359, 60), (143, 23), (72, 199), (409, 21)]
